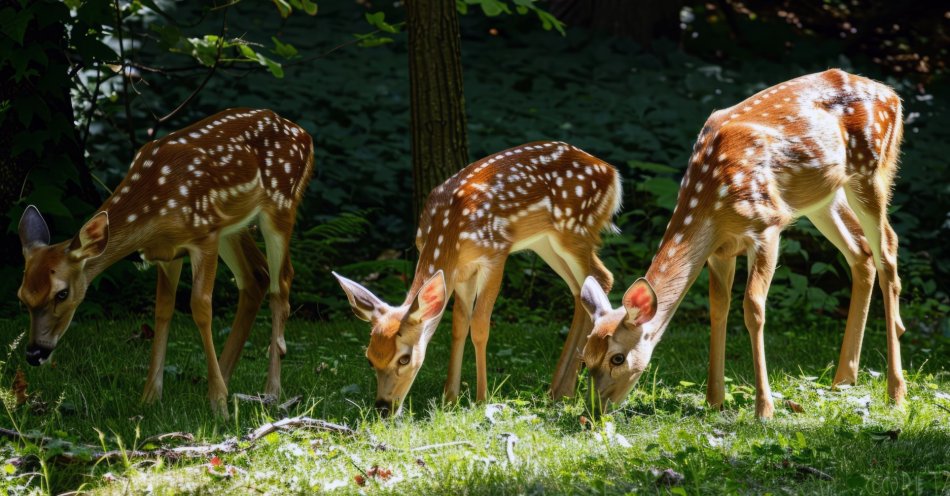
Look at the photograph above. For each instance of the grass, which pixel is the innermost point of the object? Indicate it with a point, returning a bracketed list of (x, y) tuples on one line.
[(845, 441)]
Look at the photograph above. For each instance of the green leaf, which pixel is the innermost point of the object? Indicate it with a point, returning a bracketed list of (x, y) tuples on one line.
[(285, 50), (307, 6), (372, 40), (276, 69), (283, 7), (493, 8), (378, 20)]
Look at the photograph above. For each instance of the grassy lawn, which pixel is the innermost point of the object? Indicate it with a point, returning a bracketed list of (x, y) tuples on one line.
[(662, 440)]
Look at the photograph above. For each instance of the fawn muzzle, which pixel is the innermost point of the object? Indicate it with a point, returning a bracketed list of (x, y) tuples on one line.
[(384, 408), (36, 355)]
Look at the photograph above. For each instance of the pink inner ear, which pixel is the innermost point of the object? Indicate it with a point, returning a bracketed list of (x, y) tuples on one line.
[(96, 230), (431, 297), (640, 298)]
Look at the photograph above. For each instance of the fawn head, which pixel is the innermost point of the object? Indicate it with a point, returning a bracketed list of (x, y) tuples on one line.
[(399, 336), (619, 348), (54, 282)]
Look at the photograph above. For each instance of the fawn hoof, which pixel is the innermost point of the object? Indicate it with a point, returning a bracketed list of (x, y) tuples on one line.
[(715, 404), (450, 398), (897, 392), (219, 402), (151, 394), (219, 407), (764, 409), (848, 378)]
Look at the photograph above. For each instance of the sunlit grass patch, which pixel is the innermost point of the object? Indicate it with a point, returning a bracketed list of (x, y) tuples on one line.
[(664, 438)]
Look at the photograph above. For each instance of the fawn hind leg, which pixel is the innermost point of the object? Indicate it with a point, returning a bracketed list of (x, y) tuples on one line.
[(839, 224), (247, 263), (869, 196), (277, 241), (722, 271), (168, 275)]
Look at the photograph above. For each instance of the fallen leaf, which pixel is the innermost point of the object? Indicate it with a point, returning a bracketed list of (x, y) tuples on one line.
[(795, 407), (215, 461), (379, 473), (359, 480), (19, 387)]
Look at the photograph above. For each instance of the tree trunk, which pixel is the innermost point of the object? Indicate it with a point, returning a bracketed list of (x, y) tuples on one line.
[(643, 21), (439, 137)]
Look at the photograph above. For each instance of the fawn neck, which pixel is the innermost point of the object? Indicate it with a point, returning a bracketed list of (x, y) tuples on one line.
[(683, 251)]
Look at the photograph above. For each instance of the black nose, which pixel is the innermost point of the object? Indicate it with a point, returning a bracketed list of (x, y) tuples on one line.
[(384, 408), (35, 355)]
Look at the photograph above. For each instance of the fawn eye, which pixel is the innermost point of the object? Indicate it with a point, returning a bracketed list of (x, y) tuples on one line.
[(403, 360), (617, 359), (62, 295)]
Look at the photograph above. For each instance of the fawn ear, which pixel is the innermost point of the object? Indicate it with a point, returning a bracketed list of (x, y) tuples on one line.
[(640, 302), (430, 302), (594, 299), (363, 302), (92, 238), (33, 229)]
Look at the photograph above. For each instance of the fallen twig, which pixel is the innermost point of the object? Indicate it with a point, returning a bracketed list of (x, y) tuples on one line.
[(84, 453), (442, 445), (510, 440), (292, 402), (805, 469), (255, 398), (298, 422), (176, 436)]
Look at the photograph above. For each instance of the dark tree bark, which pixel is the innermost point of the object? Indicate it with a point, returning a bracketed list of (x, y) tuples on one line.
[(642, 20), (45, 146), (439, 133)]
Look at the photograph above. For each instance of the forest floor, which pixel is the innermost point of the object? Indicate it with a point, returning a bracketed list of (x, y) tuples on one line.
[(662, 440)]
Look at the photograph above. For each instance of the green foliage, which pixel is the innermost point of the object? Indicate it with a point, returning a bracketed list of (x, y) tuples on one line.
[(493, 8), (286, 7), (637, 109)]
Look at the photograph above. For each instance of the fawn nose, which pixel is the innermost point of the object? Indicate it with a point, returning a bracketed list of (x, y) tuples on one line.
[(36, 355), (385, 408)]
